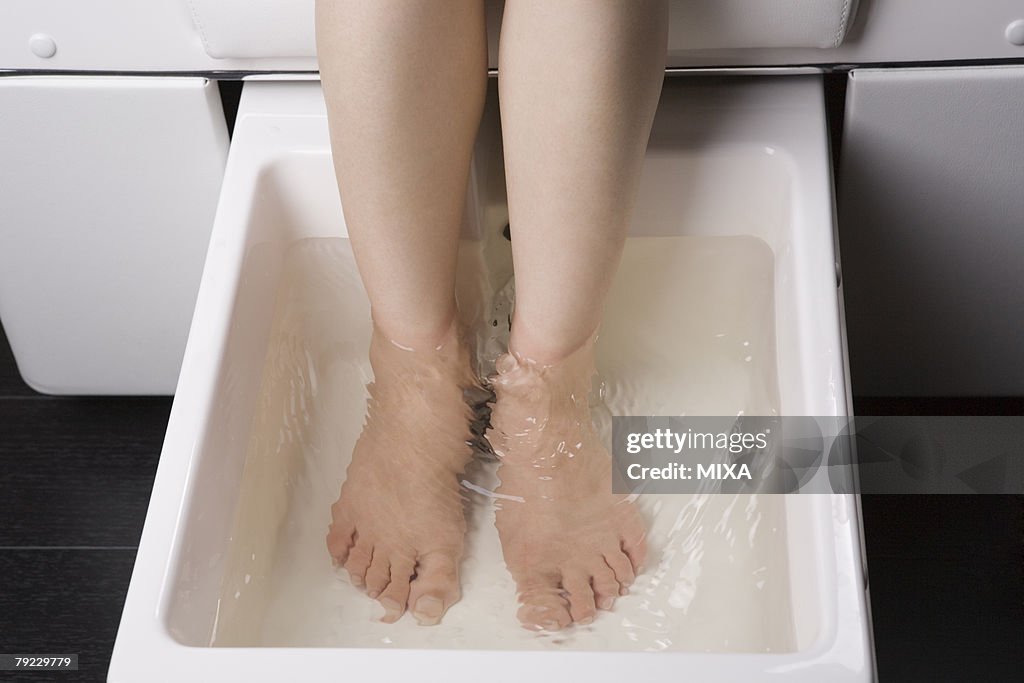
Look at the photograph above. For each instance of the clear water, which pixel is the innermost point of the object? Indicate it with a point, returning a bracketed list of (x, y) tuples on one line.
[(689, 330)]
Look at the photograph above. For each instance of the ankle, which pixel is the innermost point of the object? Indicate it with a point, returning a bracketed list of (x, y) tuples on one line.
[(419, 336), (531, 396), (528, 343), (569, 372), (444, 359)]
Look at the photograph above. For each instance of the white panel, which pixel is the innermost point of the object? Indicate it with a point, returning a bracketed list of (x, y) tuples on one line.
[(108, 188), (931, 208), (116, 35), (162, 35)]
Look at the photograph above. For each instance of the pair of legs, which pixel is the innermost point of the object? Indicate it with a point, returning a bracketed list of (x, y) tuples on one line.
[(405, 83)]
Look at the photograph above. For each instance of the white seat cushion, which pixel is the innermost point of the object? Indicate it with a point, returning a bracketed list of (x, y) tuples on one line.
[(737, 24), (247, 29)]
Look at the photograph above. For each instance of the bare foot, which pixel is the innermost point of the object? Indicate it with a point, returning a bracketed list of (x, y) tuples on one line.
[(571, 545), (398, 526)]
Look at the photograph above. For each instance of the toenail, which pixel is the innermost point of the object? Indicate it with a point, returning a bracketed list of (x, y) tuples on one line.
[(356, 579), (391, 608), (428, 610), (374, 594), (585, 620), (606, 603), (551, 626)]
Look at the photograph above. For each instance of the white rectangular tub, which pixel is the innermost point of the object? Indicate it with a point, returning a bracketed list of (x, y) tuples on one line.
[(738, 158)]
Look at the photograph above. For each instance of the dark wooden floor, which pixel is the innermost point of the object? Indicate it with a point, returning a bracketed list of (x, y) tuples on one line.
[(75, 477), (946, 572)]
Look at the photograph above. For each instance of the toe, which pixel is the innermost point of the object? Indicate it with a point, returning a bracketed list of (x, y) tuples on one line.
[(581, 597), (339, 541), (435, 588), (359, 558), (606, 588), (544, 607), (549, 613), (379, 573), (622, 567), (634, 544), (395, 596)]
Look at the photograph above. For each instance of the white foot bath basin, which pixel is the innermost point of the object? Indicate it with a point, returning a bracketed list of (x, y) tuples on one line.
[(726, 302)]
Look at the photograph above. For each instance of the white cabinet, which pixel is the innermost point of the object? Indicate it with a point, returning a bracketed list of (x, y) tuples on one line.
[(931, 206), (108, 187)]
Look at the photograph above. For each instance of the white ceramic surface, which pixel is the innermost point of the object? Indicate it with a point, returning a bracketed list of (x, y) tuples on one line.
[(281, 143)]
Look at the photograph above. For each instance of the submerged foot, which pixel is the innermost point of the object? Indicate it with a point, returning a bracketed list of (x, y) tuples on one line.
[(399, 523), (571, 545)]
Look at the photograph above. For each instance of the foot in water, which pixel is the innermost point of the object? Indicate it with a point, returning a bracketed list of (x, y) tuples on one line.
[(571, 545), (399, 523)]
